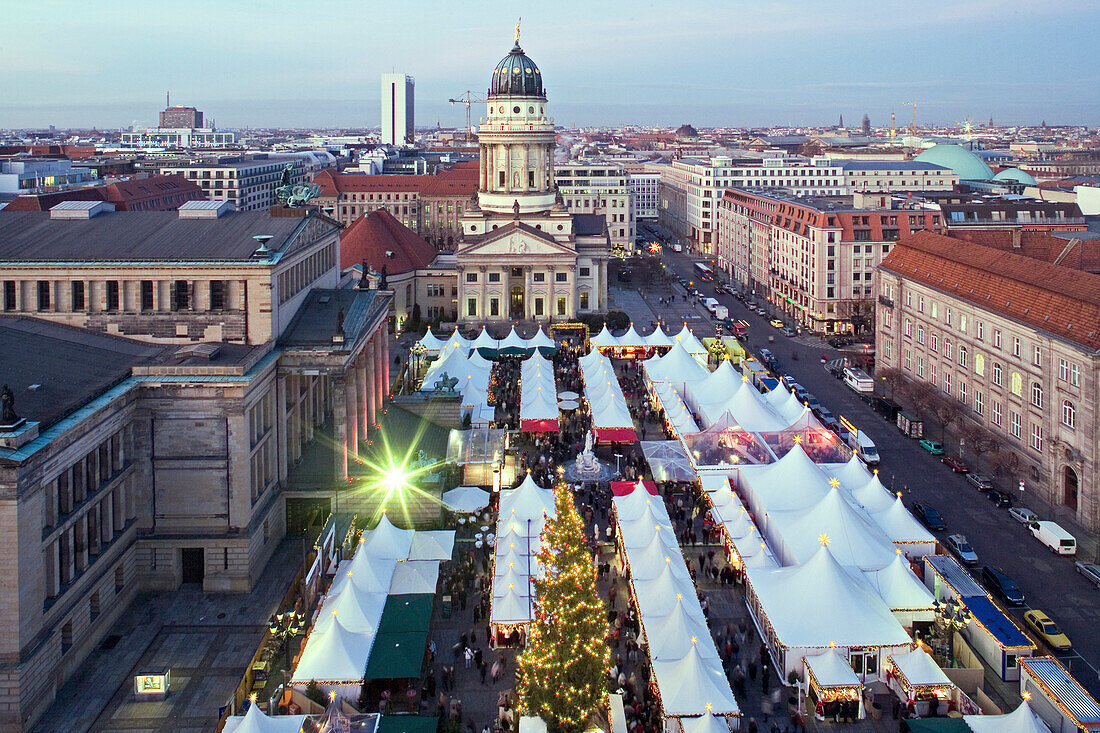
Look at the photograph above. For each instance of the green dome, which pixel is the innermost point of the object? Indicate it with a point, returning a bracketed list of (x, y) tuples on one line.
[(968, 166), (1015, 174), (517, 76)]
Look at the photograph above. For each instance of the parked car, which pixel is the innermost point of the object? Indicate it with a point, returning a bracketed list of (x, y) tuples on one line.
[(928, 516), (836, 371), (957, 544), (827, 419), (776, 323), (812, 403), (761, 312), (788, 381), (1002, 585), (1056, 538), (980, 482), (750, 304), (955, 464), (1090, 571), (1047, 630), (934, 447), (1023, 515), (787, 331), (719, 289), (999, 498)]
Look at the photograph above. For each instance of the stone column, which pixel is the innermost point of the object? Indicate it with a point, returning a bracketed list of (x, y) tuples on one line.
[(365, 422), (369, 388), (282, 424), (550, 163), (379, 373), (525, 167), (482, 167), (528, 296), (550, 288), (384, 343), (507, 168), (352, 406), (340, 429)]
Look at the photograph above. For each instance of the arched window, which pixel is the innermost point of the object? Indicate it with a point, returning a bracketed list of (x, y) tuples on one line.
[(1037, 394), (1017, 384), (920, 334), (908, 327), (1069, 414), (979, 364), (962, 356)]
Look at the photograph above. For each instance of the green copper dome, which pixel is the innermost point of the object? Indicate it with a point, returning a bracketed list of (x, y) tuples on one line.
[(1015, 174), (517, 76), (968, 166)]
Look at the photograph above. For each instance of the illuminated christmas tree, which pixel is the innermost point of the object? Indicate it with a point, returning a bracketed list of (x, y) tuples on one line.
[(563, 670)]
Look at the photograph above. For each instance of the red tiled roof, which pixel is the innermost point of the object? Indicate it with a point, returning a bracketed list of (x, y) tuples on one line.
[(1058, 300), (46, 201), (370, 237), (1039, 245), (155, 193)]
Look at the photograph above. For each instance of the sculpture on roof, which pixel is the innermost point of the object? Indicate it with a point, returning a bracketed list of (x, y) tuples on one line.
[(7, 402), (292, 195), (382, 280), (445, 385)]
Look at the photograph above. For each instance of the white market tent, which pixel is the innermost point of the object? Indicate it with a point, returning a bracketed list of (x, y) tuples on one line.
[(692, 686), (744, 403), (604, 340), (706, 724), (457, 341), (851, 473), (673, 635), (792, 482), (873, 496), (904, 530), (466, 499), (455, 363), (693, 345), (387, 540), (486, 342), (523, 512), (918, 669), (723, 381), (785, 404), (437, 544), (658, 339), (853, 540), (829, 669), (847, 611), (606, 402), (541, 341), (631, 339), (676, 411), (513, 343), (1021, 720), (256, 721), (638, 503), (432, 344), (415, 577), (336, 659), (676, 366), (358, 611), (901, 589), (367, 572)]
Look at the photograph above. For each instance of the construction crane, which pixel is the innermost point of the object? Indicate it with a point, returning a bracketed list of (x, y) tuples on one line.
[(913, 129), (467, 98)]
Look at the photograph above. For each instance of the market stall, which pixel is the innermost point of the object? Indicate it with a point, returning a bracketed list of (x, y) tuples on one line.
[(917, 679), (833, 689)]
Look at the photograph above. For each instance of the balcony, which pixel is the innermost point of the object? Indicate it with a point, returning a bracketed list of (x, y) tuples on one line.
[(888, 302)]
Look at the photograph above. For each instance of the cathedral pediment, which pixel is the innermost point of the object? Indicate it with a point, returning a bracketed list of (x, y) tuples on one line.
[(515, 240)]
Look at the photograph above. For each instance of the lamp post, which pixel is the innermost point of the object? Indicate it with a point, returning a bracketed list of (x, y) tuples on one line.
[(417, 350), (951, 617), (284, 626)]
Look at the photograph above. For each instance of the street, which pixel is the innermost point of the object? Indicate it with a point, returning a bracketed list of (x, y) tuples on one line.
[(1048, 581)]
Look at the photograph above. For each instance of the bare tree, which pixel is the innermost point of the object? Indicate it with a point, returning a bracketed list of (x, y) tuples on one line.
[(892, 377), (860, 312), (946, 409)]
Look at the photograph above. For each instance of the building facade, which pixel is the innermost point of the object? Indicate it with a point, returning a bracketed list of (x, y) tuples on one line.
[(214, 348), (523, 255), (20, 176), (178, 137), (1015, 341), (600, 188), (691, 190), (896, 175), (176, 117), (644, 182), (812, 258), (398, 126), (247, 183)]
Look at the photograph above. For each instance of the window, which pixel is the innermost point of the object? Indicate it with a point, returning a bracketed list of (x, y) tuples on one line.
[(934, 342), (585, 271), (962, 323), (947, 382), (1069, 414), (78, 295), (217, 295), (947, 315), (908, 327), (538, 306), (962, 356), (908, 359), (920, 304), (920, 334), (1015, 346), (538, 277), (561, 277), (147, 295), (920, 367), (43, 295), (494, 307), (934, 309), (471, 277), (1074, 375), (112, 295), (561, 306), (981, 330), (932, 373), (1037, 394), (979, 364), (1037, 355), (995, 412), (584, 301), (962, 392), (947, 349), (1037, 437), (181, 299), (996, 338), (1014, 423), (1017, 384), (979, 402), (471, 306), (996, 374), (494, 277), (9, 295)]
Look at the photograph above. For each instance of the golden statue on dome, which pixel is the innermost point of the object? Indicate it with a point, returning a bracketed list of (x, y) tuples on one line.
[(517, 30)]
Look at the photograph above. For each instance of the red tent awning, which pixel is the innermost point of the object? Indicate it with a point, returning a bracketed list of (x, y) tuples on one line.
[(538, 426), (616, 435), (622, 488)]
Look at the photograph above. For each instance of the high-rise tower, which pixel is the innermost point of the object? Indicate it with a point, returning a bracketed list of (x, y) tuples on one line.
[(397, 109)]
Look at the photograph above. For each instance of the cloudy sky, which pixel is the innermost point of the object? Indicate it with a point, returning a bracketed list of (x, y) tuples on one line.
[(317, 63)]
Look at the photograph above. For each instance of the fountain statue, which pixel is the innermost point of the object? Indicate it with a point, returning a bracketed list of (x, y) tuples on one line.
[(587, 467)]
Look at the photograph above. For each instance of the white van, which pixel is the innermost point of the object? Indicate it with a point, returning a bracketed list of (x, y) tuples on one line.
[(1054, 537), (863, 447), (710, 303), (859, 380)]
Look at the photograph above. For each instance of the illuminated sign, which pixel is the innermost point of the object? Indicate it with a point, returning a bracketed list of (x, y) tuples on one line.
[(152, 685)]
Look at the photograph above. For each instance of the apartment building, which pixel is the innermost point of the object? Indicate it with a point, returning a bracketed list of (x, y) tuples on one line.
[(644, 182), (167, 370), (600, 188), (1016, 341), (813, 258), (896, 175), (248, 183), (691, 190)]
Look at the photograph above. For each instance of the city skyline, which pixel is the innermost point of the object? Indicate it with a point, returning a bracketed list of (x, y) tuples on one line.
[(787, 63)]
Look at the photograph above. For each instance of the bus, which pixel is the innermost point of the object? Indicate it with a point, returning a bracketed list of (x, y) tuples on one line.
[(704, 272)]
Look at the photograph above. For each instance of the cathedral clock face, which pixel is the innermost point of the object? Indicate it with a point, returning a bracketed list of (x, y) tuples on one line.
[(515, 109)]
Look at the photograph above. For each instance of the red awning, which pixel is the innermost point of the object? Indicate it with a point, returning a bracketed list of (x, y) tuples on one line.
[(616, 435), (622, 488), (538, 426)]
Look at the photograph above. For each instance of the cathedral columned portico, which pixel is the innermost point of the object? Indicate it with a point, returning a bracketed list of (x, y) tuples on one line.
[(523, 256)]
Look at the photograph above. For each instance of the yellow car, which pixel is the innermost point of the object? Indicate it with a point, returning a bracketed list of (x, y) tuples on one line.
[(1047, 630), (777, 323)]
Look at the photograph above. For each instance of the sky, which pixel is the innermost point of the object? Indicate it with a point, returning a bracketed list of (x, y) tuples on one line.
[(317, 63)]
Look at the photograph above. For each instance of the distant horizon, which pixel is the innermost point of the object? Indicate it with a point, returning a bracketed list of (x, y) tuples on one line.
[(736, 64)]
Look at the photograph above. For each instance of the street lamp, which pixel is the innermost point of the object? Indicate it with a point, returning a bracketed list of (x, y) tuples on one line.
[(951, 617), (417, 350), (284, 626)]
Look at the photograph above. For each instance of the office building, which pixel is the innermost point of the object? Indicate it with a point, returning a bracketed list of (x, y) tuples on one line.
[(247, 182), (600, 188), (398, 127), (176, 117)]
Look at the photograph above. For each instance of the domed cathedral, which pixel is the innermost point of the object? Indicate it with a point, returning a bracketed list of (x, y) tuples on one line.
[(522, 255)]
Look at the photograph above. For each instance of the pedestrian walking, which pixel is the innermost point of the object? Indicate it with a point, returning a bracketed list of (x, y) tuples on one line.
[(469, 656)]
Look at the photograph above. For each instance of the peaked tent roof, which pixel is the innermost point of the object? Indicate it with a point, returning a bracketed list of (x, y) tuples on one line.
[(831, 670), (431, 343), (846, 611), (719, 384), (658, 596), (852, 473), (853, 540), (528, 500), (693, 686), (899, 587), (792, 482), (900, 525), (335, 654), (358, 611), (673, 635), (919, 669), (675, 366), (785, 404), (388, 540), (705, 724), (513, 343), (1021, 720), (658, 338), (631, 339), (637, 503), (485, 341), (873, 496), (604, 339), (687, 339), (257, 721), (415, 577), (541, 341)]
